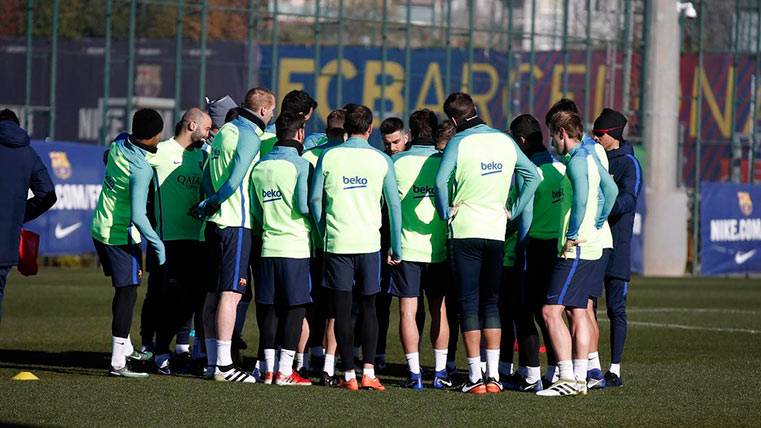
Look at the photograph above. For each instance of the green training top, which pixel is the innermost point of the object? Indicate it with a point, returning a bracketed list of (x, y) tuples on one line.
[(347, 187), (178, 188), (312, 155), (424, 236), (552, 198), (123, 199), (280, 182), (268, 140)]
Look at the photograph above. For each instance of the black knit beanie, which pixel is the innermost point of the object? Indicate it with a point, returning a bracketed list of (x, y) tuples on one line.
[(612, 122), (146, 124)]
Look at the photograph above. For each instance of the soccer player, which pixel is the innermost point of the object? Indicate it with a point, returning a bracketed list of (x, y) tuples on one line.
[(321, 314), (228, 230), (424, 268), (395, 138), (574, 273), (550, 202), (122, 205), (608, 132), (178, 291), (480, 161), (348, 184), (281, 205), (218, 110)]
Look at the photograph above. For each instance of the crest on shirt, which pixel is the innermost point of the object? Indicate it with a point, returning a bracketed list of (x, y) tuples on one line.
[(148, 81), (60, 164), (242, 282), (745, 203)]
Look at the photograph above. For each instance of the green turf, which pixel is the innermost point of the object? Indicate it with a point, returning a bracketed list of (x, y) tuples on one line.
[(678, 369)]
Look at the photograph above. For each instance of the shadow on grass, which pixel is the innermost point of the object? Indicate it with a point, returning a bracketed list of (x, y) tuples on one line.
[(70, 362)]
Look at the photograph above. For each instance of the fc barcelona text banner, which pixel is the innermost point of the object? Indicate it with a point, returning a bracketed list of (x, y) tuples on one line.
[(731, 228), (77, 172)]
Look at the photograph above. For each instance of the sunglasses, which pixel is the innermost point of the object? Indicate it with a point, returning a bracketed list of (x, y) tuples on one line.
[(600, 132)]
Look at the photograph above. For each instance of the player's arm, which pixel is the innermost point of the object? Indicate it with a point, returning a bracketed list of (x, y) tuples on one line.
[(139, 183), (578, 175), (443, 176), (394, 204), (207, 188), (43, 190), (609, 192), (302, 186), (528, 180), (628, 187), (244, 154), (316, 189)]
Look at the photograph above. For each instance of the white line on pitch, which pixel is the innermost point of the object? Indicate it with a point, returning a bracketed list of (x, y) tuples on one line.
[(695, 310), (690, 327)]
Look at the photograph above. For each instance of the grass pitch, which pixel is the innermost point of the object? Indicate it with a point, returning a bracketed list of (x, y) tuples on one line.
[(692, 359)]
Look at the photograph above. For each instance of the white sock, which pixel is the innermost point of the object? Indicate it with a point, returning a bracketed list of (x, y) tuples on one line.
[(162, 360), (615, 369), (181, 349), (224, 357), (300, 363), (197, 349), (269, 360), (317, 351), (492, 363), (211, 351), (474, 369), (330, 364), (505, 368), (533, 374), (286, 361), (440, 359), (349, 375), (594, 361), (129, 348), (369, 372), (552, 373), (580, 369), (413, 362), (565, 369), (118, 352)]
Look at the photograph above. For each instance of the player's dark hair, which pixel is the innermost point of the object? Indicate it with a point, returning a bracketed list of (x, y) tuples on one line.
[(568, 121), (391, 125), (298, 101), (564, 104), (423, 124), (359, 118), (334, 127), (459, 106), (288, 124), (527, 127), (8, 114), (445, 133)]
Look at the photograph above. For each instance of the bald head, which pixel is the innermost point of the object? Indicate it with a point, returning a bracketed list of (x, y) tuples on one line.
[(195, 126)]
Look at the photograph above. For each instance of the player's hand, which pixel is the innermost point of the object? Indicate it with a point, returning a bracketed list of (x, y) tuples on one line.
[(570, 244), (453, 211), (203, 209), (393, 259), (160, 253)]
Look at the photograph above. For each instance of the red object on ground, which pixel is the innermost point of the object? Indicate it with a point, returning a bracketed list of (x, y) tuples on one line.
[(28, 249), (542, 349)]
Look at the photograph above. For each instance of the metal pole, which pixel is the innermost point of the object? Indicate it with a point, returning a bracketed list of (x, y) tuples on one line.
[(178, 61), (407, 61), (471, 19), (384, 53), (565, 47), (628, 17), (250, 43), (104, 124), (735, 54), (204, 36), (53, 69), (28, 74), (340, 59), (644, 72), (448, 56), (698, 146), (754, 136), (275, 54), (532, 58), (509, 64), (588, 74), (130, 64), (317, 43)]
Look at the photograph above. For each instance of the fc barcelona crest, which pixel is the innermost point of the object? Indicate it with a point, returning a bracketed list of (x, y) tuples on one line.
[(60, 164), (745, 203)]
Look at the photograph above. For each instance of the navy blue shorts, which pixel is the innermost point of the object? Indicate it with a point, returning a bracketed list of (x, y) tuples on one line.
[(345, 272), (123, 263), (571, 281), (283, 281), (409, 279), (229, 254), (601, 265)]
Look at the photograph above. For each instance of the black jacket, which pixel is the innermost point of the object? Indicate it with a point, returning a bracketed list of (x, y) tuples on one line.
[(627, 174), (20, 170)]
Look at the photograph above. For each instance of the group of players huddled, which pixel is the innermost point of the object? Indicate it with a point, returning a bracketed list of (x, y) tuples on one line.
[(501, 234)]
